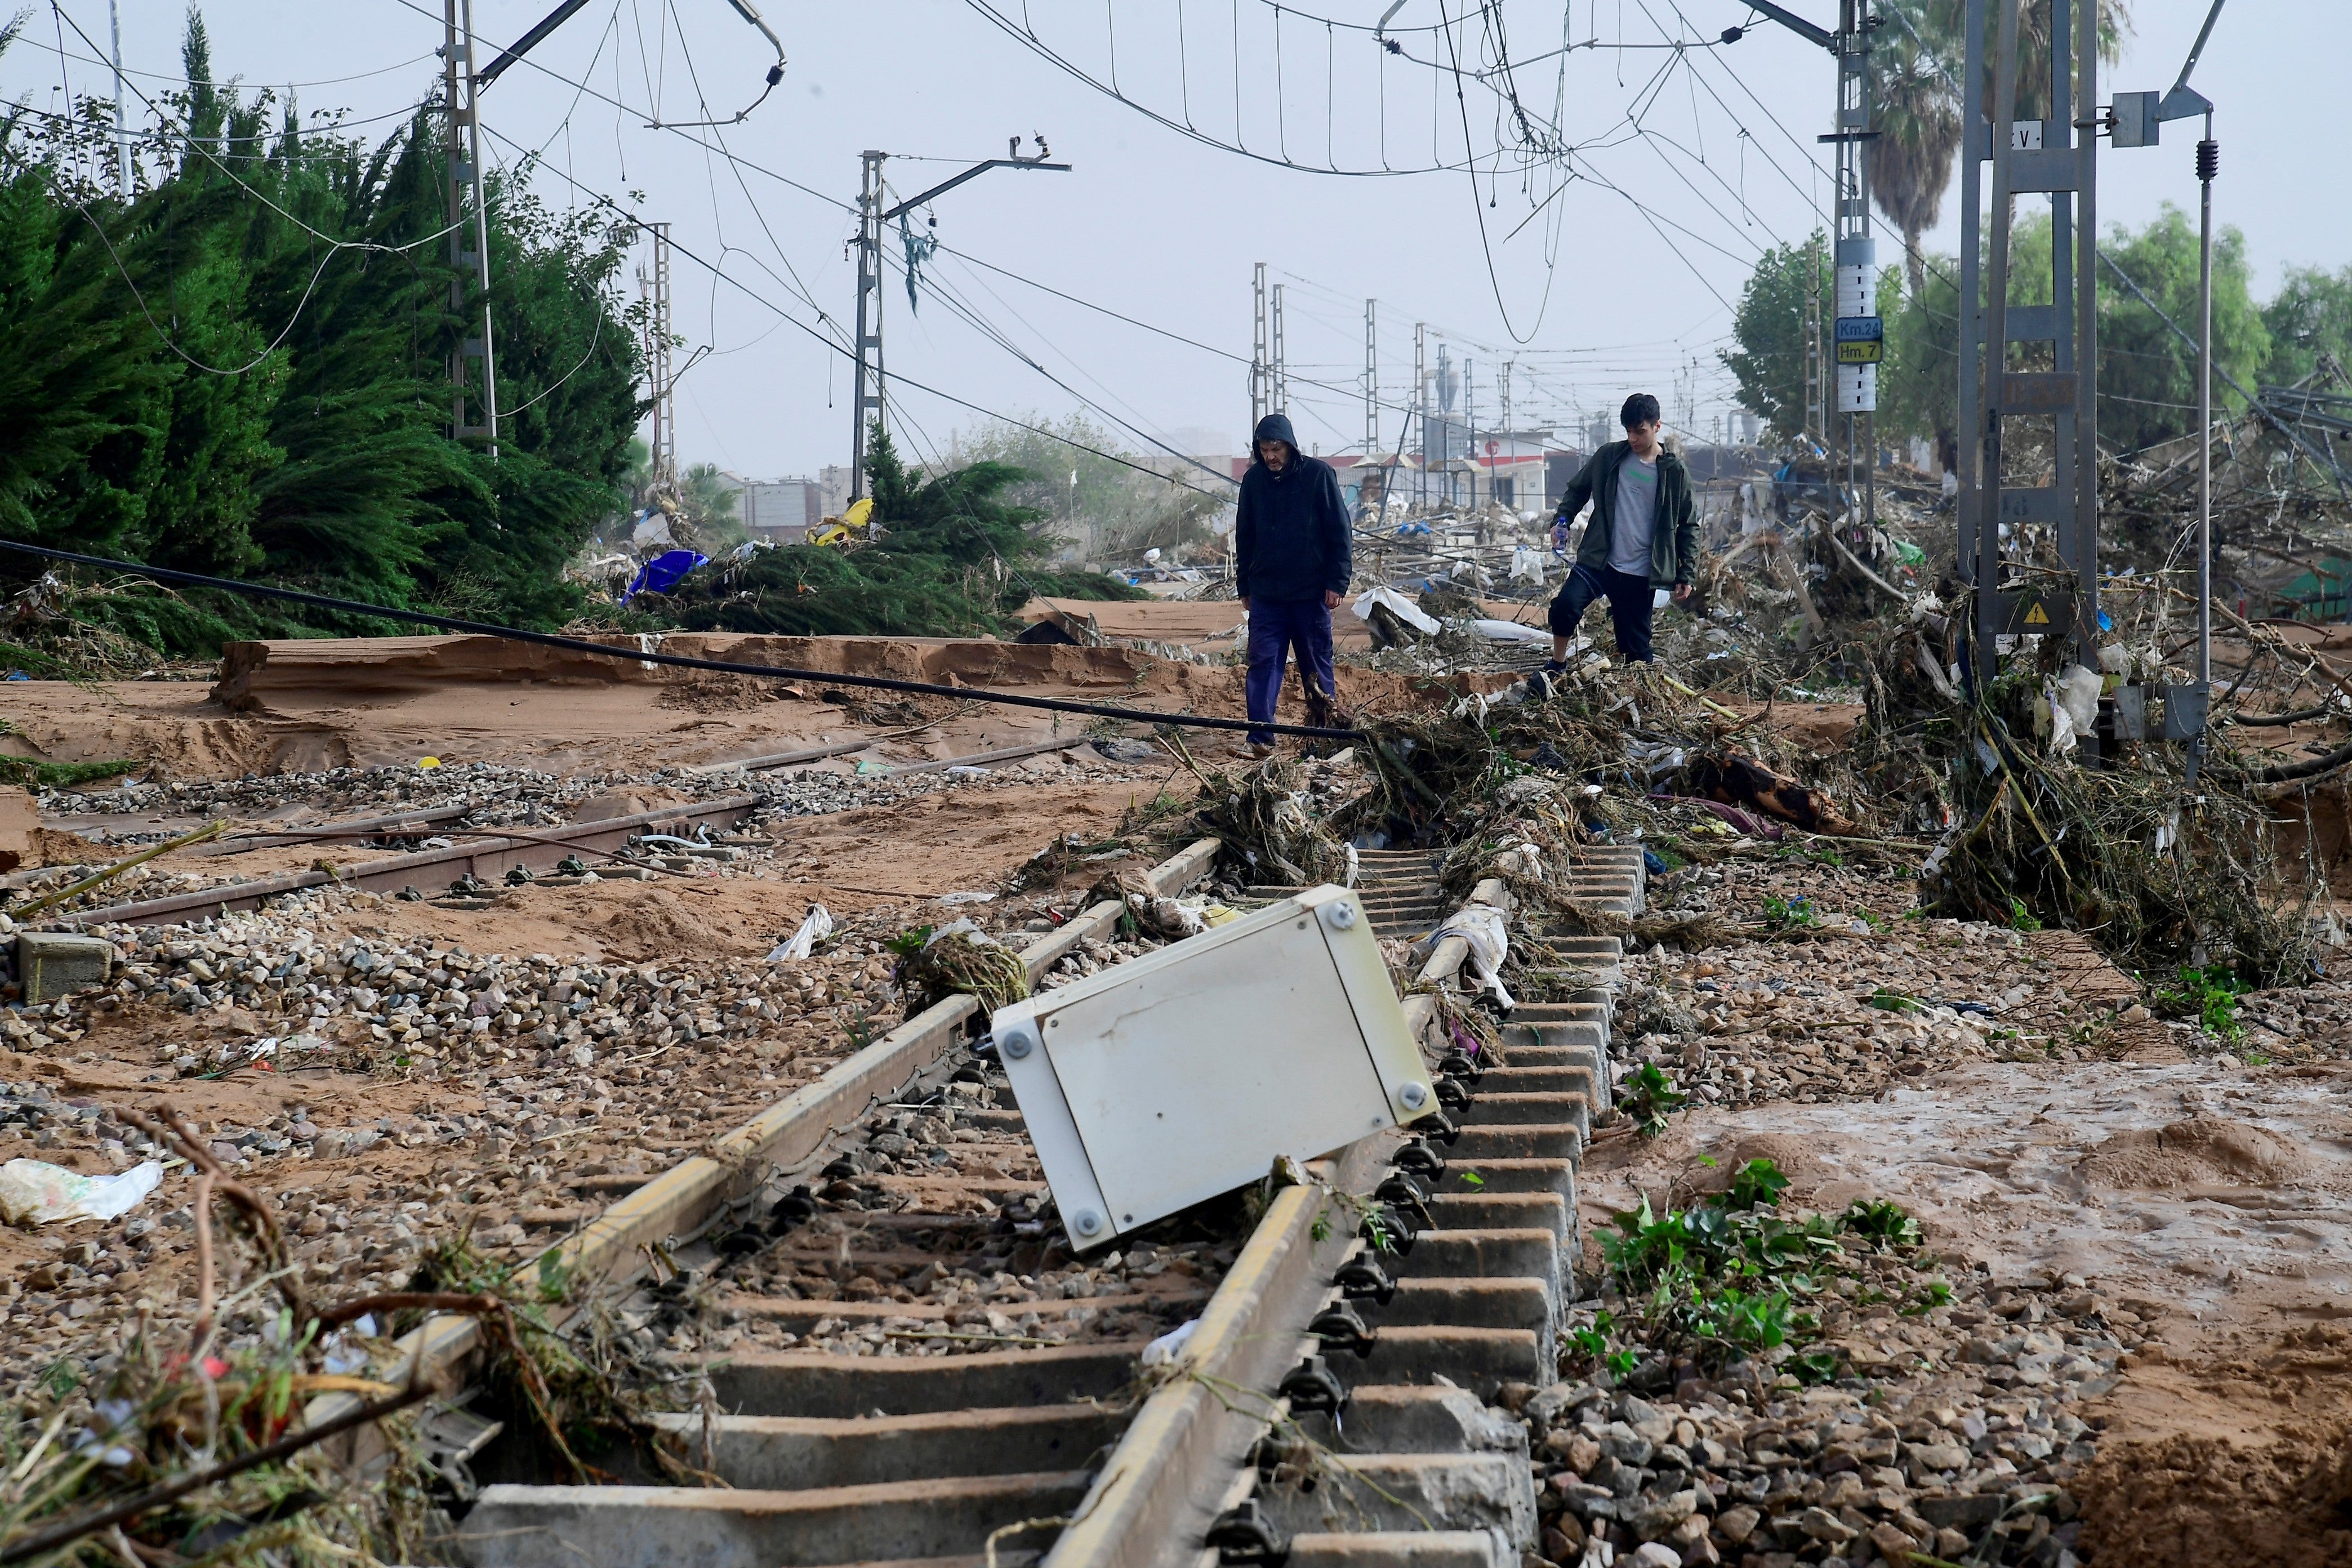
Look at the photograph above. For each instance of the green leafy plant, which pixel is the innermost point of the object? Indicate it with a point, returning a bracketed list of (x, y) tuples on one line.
[(1790, 914), (2020, 919), (1758, 1185), (1648, 1097), (1883, 1223), (1935, 1293), (1730, 1277), (910, 941), (2210, 997), (1894, 1001)]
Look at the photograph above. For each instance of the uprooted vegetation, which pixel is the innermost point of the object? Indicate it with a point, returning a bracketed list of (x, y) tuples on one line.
[(210, 1443)]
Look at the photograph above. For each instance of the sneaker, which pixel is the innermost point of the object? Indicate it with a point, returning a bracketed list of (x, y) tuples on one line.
[(1261, 750)]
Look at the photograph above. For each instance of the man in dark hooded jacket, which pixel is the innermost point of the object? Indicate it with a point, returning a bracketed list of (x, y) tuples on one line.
[(1292, 560)]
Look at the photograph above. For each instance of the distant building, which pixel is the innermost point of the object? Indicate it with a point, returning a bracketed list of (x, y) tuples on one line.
[(782, 511), (833, 490), (779, 510)]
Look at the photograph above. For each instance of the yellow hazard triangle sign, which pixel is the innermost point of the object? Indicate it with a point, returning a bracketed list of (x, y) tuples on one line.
[(2037, 616)]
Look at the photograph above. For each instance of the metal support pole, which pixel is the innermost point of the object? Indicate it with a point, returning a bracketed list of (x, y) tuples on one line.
[(1996, 347), (1813, 377), (867, 393), (2209, 159), (122, 137), (1259, 368), (481, 241), (2086, 327), (1371, 380), (1968, 509), (655, 286), (464, 181), (1281, 370), (1470, 422), (1421, 405), (1857, 261)]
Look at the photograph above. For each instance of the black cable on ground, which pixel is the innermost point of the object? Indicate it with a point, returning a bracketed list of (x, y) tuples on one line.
[(2290, 772), (681, 661), (2271, 720)]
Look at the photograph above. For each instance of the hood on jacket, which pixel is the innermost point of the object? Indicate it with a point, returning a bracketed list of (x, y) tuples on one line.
[(1273, 427)]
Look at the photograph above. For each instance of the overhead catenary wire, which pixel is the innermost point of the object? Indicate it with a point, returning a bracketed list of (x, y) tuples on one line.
[(678, 248), (673, 660)]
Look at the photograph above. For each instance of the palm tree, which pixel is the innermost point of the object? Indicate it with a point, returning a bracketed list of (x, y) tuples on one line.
[(1916, 72), (1918, 120)]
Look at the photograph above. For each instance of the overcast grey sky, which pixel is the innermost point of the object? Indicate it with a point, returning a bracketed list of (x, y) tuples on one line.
[(1687, 161)]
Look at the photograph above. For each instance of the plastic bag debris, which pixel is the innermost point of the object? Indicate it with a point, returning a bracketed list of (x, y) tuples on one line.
[(964, 897), (2078, 693), (35, 1193), (1158, 913), (1163, 1351), (796, 947), (967, 929)]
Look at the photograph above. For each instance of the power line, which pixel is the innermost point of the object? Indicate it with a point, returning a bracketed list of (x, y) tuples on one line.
[(654, 124), (748, 292), (107, 65), (1028, 40), (197, 143)]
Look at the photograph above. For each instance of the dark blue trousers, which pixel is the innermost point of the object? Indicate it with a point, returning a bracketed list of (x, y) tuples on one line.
[(1277, 629), (1629, 606)]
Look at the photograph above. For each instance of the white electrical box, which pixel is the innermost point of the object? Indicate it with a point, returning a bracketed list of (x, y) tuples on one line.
[(1178, 1076)]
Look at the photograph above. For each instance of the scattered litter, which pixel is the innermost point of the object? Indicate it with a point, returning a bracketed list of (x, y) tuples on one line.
[(35, 1193), (1163, 1351), (814, 929), (956, 900), (1487, 931), (1400, 606), (958, 959), (663, 573), (1510, 631)]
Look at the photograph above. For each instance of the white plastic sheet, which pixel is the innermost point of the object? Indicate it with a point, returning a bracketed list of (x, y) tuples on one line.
[(33, 1191), (1404, 609), (795, 948), (1510, 631)]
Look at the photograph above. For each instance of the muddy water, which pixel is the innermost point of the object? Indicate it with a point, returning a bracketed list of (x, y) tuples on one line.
[(2209, 1200), (2191, 1184)]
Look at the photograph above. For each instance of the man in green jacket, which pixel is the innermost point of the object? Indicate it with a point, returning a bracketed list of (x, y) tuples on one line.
[(1644, 532)]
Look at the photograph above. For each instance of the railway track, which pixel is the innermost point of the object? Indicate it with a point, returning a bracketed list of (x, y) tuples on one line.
[(486, 856), (1336, 1404), (1322, 1437)]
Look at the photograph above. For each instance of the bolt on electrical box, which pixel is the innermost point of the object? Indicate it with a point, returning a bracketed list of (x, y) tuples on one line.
[(1175, 1078)]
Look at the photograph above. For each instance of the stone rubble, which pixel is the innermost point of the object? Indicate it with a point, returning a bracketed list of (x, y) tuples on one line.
[(547, 1084), (1952, 1427)]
